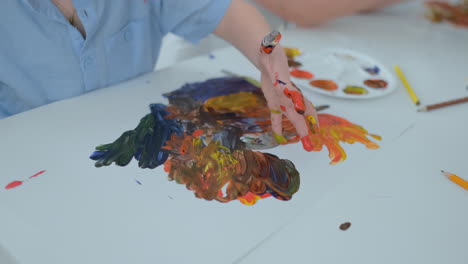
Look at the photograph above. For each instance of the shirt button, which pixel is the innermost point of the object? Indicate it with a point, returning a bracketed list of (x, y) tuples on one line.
[(88, 62)]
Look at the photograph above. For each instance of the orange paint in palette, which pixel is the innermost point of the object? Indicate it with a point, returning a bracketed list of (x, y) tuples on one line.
[(327, 85), (301, 74)]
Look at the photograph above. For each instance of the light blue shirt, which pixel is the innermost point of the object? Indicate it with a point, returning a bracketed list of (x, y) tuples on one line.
[(44, 59)]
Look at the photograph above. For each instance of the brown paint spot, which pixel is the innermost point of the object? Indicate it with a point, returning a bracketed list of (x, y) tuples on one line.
[(378, 84), (345, 226), (293, 63)]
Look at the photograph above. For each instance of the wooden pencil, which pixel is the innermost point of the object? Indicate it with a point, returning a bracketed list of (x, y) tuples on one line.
[(457, 180), (443, 104), (406, 84)]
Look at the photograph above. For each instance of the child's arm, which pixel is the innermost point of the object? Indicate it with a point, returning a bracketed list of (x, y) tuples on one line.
[(244, 27), (312, 12)]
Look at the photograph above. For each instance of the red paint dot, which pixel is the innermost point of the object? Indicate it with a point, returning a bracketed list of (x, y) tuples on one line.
[(13, 184), (197, 133), (283, 108), (37, 174)]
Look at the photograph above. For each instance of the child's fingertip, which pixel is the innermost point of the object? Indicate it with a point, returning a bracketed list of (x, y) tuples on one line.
[(307, 143)]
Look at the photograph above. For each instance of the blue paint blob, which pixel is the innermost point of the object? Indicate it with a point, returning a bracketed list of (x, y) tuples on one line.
[(202, 91), (373, 70)]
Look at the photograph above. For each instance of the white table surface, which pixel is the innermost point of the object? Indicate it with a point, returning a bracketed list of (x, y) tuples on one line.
[(401, 208)]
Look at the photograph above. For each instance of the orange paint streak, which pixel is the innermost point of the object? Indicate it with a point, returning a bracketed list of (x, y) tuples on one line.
[(197, 133), (334, 130), (301, 74), (307, 143), (277, 39), (266, 50), (297, 99), (167, 166), (251, 198)]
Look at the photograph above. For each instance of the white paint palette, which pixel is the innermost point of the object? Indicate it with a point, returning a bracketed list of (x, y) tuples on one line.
[(345, 74)]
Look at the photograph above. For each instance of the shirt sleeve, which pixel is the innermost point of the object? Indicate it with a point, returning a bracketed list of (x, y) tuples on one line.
[(191, 19)]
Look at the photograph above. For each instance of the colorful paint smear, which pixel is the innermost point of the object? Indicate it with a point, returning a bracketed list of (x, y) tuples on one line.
[(301, 74), (358, 90), (208, 135), (15, 184), (207, 167), (327, 85), (439, 11), (375, 83)]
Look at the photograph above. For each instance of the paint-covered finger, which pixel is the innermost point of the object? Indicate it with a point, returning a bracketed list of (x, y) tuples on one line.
[(302, 128), (276, 111), (297, 99), (269, 42), (312, 117), (277, 128)]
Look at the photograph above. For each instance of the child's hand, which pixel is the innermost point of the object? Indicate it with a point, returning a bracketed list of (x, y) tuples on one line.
[(283, 97), (242, 26)]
